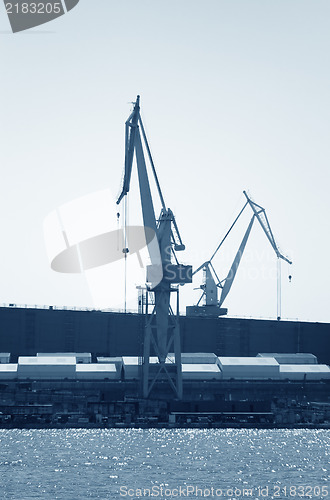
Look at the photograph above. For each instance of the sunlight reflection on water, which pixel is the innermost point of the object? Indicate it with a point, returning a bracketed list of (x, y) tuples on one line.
[(72, 464)]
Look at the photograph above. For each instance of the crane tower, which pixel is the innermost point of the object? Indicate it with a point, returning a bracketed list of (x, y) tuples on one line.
[(162, 331)]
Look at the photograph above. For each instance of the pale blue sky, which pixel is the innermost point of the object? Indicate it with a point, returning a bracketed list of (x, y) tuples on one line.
[(234, 95)]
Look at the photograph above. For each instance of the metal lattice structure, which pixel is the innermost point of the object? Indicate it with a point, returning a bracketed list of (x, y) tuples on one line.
[(162, 332)]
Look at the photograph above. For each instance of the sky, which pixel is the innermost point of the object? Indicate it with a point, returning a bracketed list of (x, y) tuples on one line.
[(234, 96)]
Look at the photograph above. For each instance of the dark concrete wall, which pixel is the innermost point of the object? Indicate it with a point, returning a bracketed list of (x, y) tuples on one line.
[(26, 331)]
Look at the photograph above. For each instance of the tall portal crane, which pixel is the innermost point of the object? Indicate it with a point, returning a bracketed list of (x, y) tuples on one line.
[(162, 331), (211, 281)]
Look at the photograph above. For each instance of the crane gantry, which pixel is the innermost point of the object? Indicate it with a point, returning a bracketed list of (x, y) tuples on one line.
[(212, 283), (162, 332)]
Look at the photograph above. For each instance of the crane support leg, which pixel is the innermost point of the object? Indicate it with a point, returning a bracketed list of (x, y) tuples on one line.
[(172, 372)]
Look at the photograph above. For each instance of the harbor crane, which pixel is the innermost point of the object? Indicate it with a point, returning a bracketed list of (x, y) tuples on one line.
[(212, 283), (162, 332)]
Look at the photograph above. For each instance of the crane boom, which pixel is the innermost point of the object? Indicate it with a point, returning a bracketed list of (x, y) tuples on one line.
[(130, 131), (233, 270), (261, 215)]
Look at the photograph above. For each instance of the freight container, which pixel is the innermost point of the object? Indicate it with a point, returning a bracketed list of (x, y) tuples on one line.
[(131, 367), (198, 371), (97, 371), (300, 358), (304, 372), (249, 368), (116, 360), (196, 357), (8, 371), (81, 357), (110, 359), (43, 367), (4, 357)]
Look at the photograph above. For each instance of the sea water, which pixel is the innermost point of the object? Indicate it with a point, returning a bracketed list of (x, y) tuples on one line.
[(74, 464)]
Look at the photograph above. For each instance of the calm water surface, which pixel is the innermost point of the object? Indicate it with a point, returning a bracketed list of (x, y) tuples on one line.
[(75, 464)]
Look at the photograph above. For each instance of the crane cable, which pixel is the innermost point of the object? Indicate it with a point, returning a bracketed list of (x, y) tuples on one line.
[(125, 250), (231, 227), (278, 288)]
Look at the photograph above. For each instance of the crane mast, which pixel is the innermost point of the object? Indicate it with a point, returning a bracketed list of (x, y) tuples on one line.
[(162, 332)]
